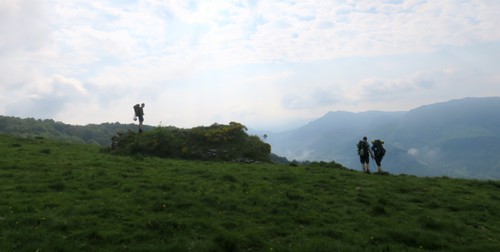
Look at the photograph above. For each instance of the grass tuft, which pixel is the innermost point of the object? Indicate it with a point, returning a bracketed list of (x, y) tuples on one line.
[(45, 151)]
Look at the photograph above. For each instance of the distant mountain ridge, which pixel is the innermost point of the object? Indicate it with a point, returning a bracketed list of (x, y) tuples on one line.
[(457, 138)]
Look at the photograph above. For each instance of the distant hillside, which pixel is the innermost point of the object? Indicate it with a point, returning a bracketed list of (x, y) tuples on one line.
[(454, 138), (92, 134)]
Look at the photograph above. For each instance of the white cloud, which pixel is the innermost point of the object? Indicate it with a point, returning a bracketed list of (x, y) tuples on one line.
[(413, 151), (426, 154), (22, 26), (314, 99), (390, 88), (74, 84), (290, 32), (254, 61)]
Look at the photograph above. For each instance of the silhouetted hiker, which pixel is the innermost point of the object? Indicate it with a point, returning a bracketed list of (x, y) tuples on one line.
[(379, 152), (139, 112), (364, 153)]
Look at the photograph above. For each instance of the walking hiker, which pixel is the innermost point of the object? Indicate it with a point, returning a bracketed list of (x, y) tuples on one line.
[(139, 113), (364, 153), (379, 152)]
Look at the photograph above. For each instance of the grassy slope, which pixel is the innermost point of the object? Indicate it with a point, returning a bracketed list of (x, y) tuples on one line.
[(66, 197)]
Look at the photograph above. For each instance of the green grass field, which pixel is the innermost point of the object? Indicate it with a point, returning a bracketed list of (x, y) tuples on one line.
[(66, 197)]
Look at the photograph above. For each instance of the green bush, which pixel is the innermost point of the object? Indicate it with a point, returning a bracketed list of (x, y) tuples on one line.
[(215, 142)]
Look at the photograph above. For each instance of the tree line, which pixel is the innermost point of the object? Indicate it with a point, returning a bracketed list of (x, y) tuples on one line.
[(89, 134)]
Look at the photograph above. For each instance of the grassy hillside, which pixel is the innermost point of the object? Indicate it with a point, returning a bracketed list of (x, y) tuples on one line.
[(66, 197)]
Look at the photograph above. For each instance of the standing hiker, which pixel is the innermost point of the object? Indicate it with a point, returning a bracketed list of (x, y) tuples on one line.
[(139, 113), (379, 152), (364, 153)]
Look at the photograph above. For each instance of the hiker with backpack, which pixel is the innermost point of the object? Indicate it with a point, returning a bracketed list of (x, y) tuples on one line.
[(139, 113), (364, 153), (379, 152)]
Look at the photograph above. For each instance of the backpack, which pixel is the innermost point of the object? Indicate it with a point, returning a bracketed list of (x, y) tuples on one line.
[(362, 148), (378, 148), (137, 109)]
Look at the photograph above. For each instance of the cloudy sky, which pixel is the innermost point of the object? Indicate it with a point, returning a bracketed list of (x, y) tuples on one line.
[(269, 64)]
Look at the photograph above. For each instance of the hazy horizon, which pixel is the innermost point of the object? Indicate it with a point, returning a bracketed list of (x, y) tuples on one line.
[(261, 130)]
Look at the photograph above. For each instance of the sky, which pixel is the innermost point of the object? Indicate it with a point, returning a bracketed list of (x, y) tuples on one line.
[(269, 64)]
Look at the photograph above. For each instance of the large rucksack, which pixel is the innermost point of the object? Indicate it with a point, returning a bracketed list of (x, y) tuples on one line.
[(137, 110), (362, 148), (378, 148)]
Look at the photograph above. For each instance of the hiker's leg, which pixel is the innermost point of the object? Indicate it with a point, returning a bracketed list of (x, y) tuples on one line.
[(378, 160), (141, 119)]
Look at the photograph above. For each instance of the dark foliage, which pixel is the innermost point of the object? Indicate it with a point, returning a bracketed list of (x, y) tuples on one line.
[(215, 142), (90, 134)]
